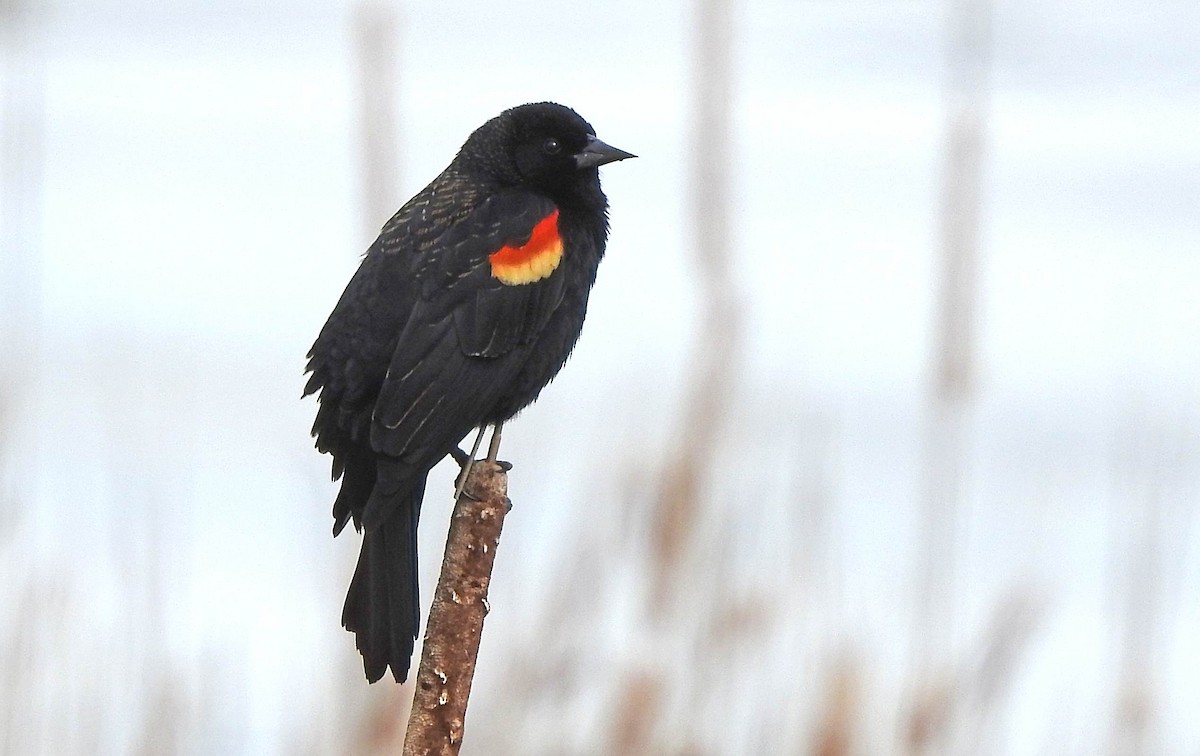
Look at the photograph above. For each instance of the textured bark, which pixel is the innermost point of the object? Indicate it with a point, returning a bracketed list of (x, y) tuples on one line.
[(455, 625)]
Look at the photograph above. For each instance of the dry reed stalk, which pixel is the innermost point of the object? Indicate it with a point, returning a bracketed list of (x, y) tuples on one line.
[(23, 98), (640, 709), (377, 47), (839, 722), (718, 341), (452, 634), (953, 373)]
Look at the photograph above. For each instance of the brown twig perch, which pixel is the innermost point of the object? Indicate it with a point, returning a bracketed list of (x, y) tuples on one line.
[(455, 624)]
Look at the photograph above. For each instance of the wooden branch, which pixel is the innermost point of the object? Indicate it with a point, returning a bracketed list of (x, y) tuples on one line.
[(455, 624)]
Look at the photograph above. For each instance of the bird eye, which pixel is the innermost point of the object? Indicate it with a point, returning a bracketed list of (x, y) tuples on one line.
[(551, 146)]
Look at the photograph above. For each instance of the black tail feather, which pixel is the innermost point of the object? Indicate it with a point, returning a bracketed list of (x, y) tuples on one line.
[(357, 481), (382, 606)]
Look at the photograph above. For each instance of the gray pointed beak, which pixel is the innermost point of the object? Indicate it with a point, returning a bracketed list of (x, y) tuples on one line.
[(598, 153)]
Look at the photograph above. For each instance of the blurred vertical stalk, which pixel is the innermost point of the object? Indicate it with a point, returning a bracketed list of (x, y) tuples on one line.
[(377, 49), (1147, 467), (1133, 720), (676, 529), (954, 357), (22, 159), (717, 347)]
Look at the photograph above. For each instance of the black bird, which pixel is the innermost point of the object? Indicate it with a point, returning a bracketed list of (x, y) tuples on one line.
[(464, 308)]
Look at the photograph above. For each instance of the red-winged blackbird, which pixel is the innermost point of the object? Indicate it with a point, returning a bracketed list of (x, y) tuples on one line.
[(464, 308)]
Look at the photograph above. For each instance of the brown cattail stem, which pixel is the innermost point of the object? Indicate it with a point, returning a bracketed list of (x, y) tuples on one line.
[(455, 624)]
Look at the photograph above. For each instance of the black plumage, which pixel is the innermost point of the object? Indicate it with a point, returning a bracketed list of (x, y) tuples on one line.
[(434, 336)]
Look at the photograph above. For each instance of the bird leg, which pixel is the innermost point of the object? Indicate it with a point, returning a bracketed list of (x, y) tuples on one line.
[(470, 461), (494, 446), (494, 449)]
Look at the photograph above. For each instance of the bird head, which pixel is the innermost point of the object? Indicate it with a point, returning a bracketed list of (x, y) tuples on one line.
[(544, 146)]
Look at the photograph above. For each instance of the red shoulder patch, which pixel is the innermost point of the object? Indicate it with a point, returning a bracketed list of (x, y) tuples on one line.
[(533, 260)]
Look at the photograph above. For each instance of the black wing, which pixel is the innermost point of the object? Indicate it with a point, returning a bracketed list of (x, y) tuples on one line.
[(468, 336), (351, 355)]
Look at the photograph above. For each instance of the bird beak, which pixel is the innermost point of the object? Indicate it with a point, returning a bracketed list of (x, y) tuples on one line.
[(598, 153)]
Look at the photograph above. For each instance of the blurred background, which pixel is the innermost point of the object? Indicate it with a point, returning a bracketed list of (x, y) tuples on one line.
[(883, 435)]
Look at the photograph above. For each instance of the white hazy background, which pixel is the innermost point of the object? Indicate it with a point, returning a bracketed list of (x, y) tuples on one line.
[(768, 531)]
